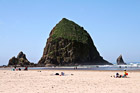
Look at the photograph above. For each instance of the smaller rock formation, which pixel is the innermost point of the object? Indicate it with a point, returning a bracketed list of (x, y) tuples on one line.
[(13, 61), (120, 61), (21, 60)]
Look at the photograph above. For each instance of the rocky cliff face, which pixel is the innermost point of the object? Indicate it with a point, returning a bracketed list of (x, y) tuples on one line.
[(21, 60), (120, 61), (70, 44), (21, 55)]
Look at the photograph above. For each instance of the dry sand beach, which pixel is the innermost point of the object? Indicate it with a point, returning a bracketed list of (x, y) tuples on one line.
[(35, 81)]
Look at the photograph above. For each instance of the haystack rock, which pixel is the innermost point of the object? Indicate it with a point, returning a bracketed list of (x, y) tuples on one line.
[(70, 44), (120, 61), (21, 60)]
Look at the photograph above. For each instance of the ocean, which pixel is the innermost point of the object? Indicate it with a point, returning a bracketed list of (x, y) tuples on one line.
[(135, 66), (92, 67), (130, 66)]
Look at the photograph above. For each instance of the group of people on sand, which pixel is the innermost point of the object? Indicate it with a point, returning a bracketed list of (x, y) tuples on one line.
[(121, 76), (19, 69), (61, 74)]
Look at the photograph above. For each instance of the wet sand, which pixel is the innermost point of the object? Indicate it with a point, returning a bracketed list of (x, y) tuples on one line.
[(74, 81)]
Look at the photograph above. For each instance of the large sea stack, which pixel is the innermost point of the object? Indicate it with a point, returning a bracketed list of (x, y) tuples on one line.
[(21, 60), (70, 44), (120, 61)]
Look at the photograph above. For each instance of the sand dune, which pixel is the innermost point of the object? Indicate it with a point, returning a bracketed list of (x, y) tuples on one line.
[(80, 82)]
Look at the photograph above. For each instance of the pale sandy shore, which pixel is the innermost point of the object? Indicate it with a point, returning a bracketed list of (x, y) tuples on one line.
[(80, 82)]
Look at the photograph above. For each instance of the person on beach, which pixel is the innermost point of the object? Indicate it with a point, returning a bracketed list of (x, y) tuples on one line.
[(125, 73), (117, 75), (62, 73), (26, 68), (19, 69), (15, 67), (121, 76)]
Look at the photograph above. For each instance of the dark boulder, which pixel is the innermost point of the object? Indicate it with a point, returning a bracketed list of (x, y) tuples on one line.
[(120, 61), (70, 44)]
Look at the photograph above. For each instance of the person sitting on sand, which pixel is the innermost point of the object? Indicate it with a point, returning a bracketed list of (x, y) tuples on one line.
[(13, 69), (19, 69), (117, 75), (125, 73), (62, 73)]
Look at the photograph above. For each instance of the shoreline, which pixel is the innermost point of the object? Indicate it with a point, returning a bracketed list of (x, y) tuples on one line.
[(132, 69), (71, 70)]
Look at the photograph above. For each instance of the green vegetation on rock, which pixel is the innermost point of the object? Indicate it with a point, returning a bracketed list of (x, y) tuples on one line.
[(69, 30)]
